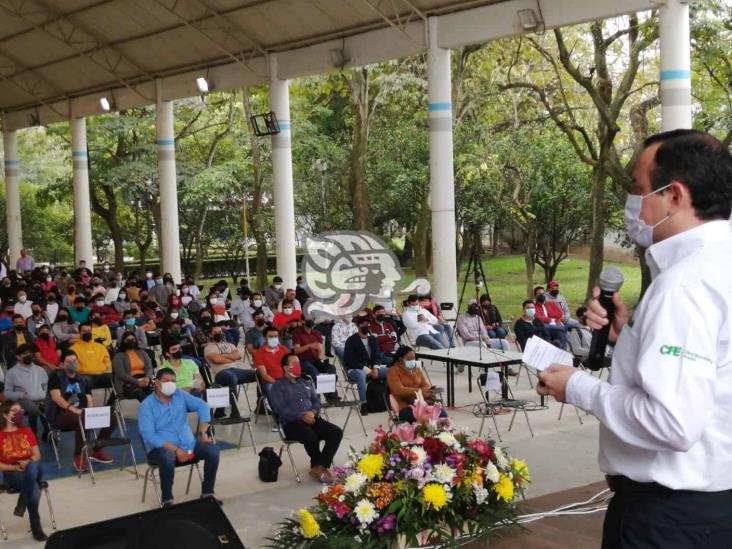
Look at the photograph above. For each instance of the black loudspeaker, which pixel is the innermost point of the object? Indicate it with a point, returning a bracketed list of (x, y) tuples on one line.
[(199, 524)]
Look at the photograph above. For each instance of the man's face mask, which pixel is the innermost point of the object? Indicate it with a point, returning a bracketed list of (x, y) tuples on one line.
[(639, 230)]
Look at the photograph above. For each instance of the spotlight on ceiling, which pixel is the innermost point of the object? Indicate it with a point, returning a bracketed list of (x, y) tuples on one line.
[(202, 84), (106, 106)]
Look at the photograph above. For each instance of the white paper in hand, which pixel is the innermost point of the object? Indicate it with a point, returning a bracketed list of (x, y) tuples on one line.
[(539, 354), (326, 384)]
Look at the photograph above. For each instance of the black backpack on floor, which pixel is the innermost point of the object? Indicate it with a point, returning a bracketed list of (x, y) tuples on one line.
[(376, 396), (269, 464)]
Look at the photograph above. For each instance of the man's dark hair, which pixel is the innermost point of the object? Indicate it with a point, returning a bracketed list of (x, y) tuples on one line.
[(271, 329), (67, 352), (17, 316), (87, 323), (378, 308), (485, 297), (286, 358), (286, 302), (277, 279), (527, 302), (24, 348), (538, 288), (702, 163), (412, 298), (162, 371), (580, 312)]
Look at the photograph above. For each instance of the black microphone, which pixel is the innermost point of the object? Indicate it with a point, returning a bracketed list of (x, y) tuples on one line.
[(611, 279)]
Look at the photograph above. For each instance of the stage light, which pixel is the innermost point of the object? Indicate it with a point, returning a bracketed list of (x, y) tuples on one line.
[(106, 106), (202, 84)]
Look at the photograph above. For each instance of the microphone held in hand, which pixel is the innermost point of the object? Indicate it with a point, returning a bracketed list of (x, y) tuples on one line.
[(611, 279)]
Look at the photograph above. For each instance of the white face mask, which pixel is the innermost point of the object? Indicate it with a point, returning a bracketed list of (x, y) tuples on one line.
[(277, 286), (273, 342), (168, 388), (287, 310), (22, 298), (638, 229), (174, 315), (257, 303), (100, 303), (213, 300)]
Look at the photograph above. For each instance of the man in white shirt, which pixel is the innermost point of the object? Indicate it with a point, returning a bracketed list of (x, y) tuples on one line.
[(23, 306), (342, 330), (420, 325), (665, 411)]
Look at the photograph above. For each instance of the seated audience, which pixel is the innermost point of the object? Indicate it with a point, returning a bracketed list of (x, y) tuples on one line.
[(256, 303), (52, 308), (342, 330), (362, 355), (159, 291), (94, 362), (405, 378), (473, 330), (107, 313), (47, 354), (492, 317), (429, 304), (421, 326), (68, 395), (64, 328), (385, 331), (132, 370), (187, 375), (254, 336), (551, 315), (297, 406), (554, 295), (227, 367), (163, 422), (36, 319), (274, 294), (287, 321), (290, 295), (268, 358), (528, 325), (20, 464), (80, 312), (100, 331), (23, 306), (308, 345), (301, 292), (27, 384)]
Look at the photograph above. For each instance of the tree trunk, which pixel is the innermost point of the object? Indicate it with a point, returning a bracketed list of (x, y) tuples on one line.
[(420, 239), (529, 251), (360, 203), (496, 234), (198, 269), (597, 234)]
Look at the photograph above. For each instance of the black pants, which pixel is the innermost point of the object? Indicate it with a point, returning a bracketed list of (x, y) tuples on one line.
[(311, 435), (668, 519)]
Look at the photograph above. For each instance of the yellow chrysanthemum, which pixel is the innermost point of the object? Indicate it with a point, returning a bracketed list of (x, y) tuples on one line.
[(477, 476), (504, 488), (434, 496), (310, 526), (520, 468), (371, 465)]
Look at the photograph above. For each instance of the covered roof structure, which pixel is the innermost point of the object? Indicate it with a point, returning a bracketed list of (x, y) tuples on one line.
[(62, 55)]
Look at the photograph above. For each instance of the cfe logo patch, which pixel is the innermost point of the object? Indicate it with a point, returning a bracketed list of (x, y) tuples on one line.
[(672, 350)]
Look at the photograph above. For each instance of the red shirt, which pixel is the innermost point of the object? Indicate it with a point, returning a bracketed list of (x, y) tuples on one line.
[(281, 319), (301, 337), (17, 445), (553, 311), (271, 360), (383, 332), (47, 348)]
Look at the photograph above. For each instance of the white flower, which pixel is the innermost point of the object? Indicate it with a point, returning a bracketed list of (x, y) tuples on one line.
[(500, 458), (443, 473), (365, 512), (324, 489), (419, 453), (491, 473), (355, 482), (481, 494), (448, 439)]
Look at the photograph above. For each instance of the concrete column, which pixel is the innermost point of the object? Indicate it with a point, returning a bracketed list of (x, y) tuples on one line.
[(675, 65), (282, 187), (12, 196), (83, 249), (169, 236), (442, 181)]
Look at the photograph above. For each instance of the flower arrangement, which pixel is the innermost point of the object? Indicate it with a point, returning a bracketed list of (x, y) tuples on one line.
[(426, 483)]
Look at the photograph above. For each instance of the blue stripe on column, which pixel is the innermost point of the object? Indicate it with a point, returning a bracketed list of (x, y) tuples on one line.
[(12, 162), (675, 75), (166, 142), (284, 125), (440, 106), (78, 154)]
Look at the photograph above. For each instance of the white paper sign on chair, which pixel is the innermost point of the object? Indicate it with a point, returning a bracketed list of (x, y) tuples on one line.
[(218, 397), (98, 417), (492, 382), (326, 384)]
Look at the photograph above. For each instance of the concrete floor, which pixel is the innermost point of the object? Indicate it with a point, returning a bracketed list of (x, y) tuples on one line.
[(561, 455)]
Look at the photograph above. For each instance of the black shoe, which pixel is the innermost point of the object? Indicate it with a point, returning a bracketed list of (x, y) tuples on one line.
[(20, 507), (364, 410), (212, 497), (37, 530), (167, 504)]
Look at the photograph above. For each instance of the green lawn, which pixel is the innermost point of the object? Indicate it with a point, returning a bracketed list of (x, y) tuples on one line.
[(506, 282)]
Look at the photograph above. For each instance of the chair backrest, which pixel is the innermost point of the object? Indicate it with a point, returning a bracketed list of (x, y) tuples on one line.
[(480, 382)]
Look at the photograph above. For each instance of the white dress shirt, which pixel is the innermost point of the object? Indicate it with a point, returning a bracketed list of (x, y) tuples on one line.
[(666, 410), (414, 327), (341, 332)]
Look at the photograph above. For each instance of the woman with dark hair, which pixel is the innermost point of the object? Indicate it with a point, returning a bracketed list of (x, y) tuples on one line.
[(405, 378), (20, 463)]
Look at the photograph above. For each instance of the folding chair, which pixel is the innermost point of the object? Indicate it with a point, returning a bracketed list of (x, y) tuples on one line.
[(352, 405), (153, 466), (215, 396), (516, 405), (262, 402), (436, 391), (487, 408), (210, 381), (392, 409), (94, 444), (43, 485), (286, 443)]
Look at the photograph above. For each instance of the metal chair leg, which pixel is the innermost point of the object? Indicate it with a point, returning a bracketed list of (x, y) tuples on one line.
[(251, 436), (292, 461), (190, 476), (50, 509), (482, 423), (526, 415), (513, 417), (358, 415), (134, 462), (561, 410), (3, 530)]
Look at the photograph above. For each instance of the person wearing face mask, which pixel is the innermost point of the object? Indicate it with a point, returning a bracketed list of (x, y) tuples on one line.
[(132, 370), (122, 303), (47, 353), (268, 358), (274, 293), (48, 285), (13, 339), (361, 358), (20, 464), (405, 378), (287, 321), (342, 330), (297, 406), (109, 314), (163, 422), (51, 308), (93, 358), (64, 328), (227, 367), (101, 333), (256, 303), (36, 319), (149, 281), (664, 412), (290, 295), (254, 336), (238, 307), (160, 291), (23, 305), (384, 330), (70, 298), (528, 325), (308, 346), (187, 376), (111, 292), (421, 326), (79, 312), (97, 287), (27, 383), (551, 315), (471, 327), (68, 395)]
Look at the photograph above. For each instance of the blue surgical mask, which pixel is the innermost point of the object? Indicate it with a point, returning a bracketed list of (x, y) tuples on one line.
[(410, 364), (273, 341), (639, 230), (530, 312)]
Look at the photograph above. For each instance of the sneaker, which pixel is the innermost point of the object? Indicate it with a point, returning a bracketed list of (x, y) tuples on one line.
[(100, 457), (80, 465)]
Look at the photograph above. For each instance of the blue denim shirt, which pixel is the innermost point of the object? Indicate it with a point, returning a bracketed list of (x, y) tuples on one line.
[(291, 400), (161, 423)]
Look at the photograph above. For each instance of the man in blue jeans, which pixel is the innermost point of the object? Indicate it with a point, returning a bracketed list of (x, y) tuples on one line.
[(362, 351), (163, 423)]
